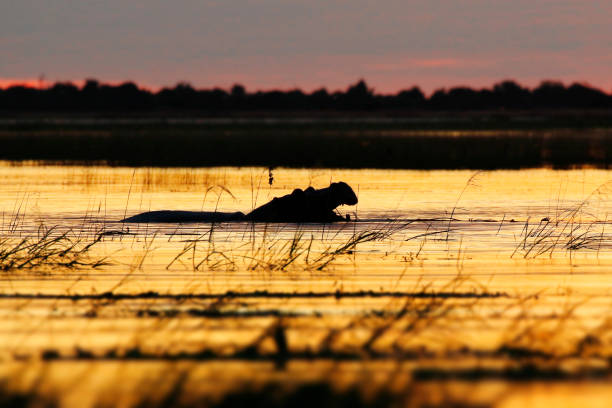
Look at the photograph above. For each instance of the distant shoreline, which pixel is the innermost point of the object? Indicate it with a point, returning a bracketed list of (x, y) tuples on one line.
[(502, 119), (501, 140)]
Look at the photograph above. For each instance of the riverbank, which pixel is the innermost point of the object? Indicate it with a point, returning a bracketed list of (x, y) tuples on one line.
[(456, 141)]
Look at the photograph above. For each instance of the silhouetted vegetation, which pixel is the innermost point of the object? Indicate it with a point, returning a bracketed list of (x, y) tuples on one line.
[(95, 96), (506, 126)]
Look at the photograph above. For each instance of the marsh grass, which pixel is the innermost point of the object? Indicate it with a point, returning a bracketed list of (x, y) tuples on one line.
[(148, 179), (549, 336), (267, 251), (572, 229), (416, 314), (50, 248), (471, 182)]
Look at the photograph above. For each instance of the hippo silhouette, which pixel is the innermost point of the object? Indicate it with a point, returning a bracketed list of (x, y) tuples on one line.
[(308, 205)]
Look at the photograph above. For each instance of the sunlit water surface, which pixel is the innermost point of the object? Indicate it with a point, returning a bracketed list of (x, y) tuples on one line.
[(489, 288)]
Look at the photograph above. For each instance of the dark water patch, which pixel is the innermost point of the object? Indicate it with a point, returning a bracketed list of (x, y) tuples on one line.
[(321, 146)]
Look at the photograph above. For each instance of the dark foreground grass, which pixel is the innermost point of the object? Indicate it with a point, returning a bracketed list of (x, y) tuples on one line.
[(310, 394), (331, 144), (20, 399), (263, 294)]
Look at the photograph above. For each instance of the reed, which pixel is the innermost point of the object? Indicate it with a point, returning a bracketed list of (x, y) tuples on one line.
[(471, 182), (267, 252), (575, 228), (50, 248)]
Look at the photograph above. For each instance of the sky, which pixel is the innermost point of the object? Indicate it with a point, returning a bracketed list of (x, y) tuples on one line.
[(265, 44)]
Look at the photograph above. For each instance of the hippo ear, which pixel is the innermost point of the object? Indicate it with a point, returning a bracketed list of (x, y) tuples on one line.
[(343, 193)]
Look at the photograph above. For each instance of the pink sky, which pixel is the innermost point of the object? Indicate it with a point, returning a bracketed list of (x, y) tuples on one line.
[(392, 44)]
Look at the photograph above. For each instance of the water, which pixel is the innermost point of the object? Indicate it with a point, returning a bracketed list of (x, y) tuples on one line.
[(475, 283)]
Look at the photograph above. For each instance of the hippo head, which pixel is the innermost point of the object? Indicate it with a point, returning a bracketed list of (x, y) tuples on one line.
[(342, 193)]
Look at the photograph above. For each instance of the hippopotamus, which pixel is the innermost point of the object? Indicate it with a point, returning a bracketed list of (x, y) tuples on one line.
[(308, 205)]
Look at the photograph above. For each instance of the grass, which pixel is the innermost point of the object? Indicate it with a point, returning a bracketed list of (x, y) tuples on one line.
[(50, 248), (471, 182), (572, 229), (264, 252)]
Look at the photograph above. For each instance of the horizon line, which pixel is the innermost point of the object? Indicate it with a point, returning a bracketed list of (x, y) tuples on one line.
[(42, 84)]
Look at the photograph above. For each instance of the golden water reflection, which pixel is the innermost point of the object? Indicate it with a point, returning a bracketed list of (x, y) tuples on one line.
[(488, 288)]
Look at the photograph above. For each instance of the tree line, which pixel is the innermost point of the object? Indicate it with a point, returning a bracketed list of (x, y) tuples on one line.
[(96, 96)]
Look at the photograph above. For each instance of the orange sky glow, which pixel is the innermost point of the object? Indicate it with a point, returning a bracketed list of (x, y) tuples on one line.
[(279, 44)]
